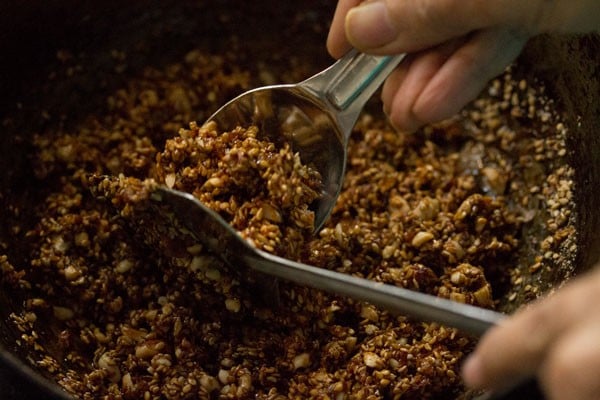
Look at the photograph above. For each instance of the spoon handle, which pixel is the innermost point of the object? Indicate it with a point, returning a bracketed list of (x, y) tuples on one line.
[(469, 319), (425, 307), (221, 238), (350, 82), (215, 233)]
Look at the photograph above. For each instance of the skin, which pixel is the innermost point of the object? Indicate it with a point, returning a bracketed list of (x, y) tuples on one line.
[(455, 47), (556, 338)]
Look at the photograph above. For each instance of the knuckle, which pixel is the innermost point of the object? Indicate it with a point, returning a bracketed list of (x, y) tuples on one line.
[(420, 13), (435, 13), (571, 369), (560, 372)]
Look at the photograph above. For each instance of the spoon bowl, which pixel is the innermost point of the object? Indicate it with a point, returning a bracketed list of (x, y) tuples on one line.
[(288, 114), (315, 116)]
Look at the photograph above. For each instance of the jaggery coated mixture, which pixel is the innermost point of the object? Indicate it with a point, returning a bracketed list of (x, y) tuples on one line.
[(443, 211), (263, 191)]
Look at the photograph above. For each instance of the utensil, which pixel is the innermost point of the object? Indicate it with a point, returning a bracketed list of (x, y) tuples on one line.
[(215, 233), (315, 116)]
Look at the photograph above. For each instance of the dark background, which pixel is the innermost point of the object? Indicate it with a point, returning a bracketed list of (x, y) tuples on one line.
[(13, 386)]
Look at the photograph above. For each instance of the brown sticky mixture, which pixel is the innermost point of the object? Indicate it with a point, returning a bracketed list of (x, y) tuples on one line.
[(262, 190), (446, 211)]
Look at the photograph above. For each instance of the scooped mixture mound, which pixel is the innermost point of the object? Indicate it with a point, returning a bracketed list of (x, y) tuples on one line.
[(263, 191)]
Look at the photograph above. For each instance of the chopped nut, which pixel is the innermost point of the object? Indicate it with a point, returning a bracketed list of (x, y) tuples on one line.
[(483, 296), (149, 349), (372, 360), (301, 361), (233, 305), (63, 313), (421, 238), (109, 364), (123, 266), (72, 273), (170, 180)]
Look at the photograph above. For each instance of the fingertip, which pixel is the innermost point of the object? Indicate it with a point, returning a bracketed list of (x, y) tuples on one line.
[(405, 86), (472, 372), (335, 47), (369, 26), (336, 43), (392, 85), (448, 92), (434, 105), (403, 123)]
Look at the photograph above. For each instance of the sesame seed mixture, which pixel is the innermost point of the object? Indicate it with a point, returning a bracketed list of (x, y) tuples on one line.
[(263, 191), (447, 211)]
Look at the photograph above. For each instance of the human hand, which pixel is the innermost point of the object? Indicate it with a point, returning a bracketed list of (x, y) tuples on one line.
[(557, 339), (455, 46)]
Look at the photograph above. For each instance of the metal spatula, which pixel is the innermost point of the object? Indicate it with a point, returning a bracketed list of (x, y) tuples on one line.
[(215, 233)]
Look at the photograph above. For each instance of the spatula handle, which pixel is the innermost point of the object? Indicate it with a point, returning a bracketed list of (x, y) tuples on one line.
[(422, 306)]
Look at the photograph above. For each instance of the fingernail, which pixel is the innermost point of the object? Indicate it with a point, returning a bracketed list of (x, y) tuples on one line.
[(471, 372), (369, 25), (387, 109), (405, 127)]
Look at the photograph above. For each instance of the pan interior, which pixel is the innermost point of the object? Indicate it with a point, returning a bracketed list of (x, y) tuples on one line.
[(103, 55)]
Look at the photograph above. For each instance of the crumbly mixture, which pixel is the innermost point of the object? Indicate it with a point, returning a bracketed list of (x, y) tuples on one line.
[(445, 211), (263, 191)]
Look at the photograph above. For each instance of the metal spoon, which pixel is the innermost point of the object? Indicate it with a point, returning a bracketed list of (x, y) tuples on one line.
[(315, 116), (215, 233)]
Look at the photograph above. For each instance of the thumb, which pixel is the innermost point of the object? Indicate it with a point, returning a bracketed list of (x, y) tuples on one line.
[(399, 26)]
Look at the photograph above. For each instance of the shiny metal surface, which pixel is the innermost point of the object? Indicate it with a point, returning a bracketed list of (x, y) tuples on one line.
[(211, 230), (315, 116)]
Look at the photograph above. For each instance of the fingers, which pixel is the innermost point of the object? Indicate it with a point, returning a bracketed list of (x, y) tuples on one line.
[(392, 26), (337, 44), (544, 338), (404, 26), (572, 368), (438, 82), (469, 69), (404, 87)]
